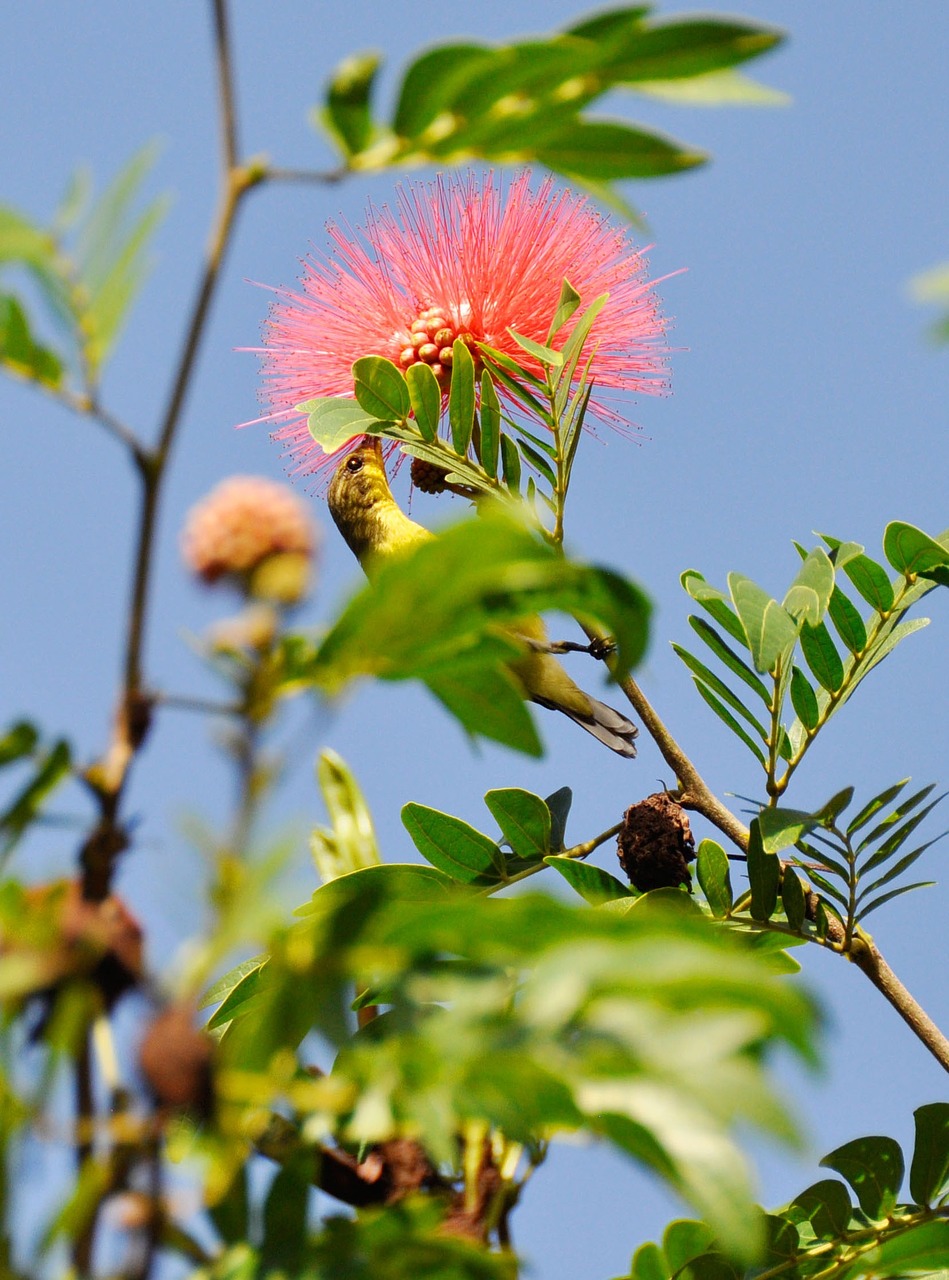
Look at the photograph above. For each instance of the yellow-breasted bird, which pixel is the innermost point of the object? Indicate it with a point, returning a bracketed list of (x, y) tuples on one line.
[(377, 530)]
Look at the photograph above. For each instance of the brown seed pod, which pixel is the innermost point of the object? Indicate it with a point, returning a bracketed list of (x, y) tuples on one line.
[(655, 844)]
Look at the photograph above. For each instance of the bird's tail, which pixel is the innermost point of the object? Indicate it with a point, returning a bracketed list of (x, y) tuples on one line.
[(607, 726)]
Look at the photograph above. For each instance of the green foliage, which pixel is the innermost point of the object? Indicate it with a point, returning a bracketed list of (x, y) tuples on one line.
[(526, 102), (773, 634), (48, 767), (349, 843), (447, 614), (524, 1015), (932, 286), (88, 266), (821, 1232)]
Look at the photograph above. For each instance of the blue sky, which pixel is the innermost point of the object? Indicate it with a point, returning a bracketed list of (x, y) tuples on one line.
[(805, 398)]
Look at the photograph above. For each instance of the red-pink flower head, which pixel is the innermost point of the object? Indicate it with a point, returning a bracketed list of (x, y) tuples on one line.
[(458, 259)]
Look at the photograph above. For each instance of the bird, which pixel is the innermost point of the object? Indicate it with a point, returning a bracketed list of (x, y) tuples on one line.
[(378, 531)]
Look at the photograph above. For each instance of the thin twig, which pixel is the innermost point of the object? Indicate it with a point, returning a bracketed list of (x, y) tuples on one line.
[(204, 706), (326, 177)]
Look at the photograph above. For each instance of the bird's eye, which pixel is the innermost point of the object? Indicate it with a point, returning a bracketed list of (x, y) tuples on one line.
[(354, 464)]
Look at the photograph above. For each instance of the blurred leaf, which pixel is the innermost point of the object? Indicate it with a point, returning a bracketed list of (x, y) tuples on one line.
[(449, 596), (922, 1251), (251, 989), (381, 389), (592, 883), (453, 846), (714, 89), (822, 657), (910, 551), (638, 48), (425, 396), (764, 873), (347, 113), (224, 986), (769, 629), (461, 397), (20, 351), (524, 820), (606, 150), (929, 1173), (489, 704), (230, 1214), (51, 769), (874, 1168), (349, 843), (711, 868), (19, 740), (284, 1242)]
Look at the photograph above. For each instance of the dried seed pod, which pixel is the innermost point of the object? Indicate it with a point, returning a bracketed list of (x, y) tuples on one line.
[(655, 844)]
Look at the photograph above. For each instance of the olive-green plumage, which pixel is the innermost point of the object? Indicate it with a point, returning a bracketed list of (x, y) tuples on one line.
[(377, 530)]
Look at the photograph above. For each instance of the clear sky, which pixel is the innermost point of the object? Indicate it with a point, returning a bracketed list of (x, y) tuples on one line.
[(805, 398)]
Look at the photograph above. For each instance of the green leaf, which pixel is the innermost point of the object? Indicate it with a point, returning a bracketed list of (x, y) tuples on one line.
[(923, 1250), (349, 843), (792, 898), (347, 113), (490, 425), (510, 464), (825, 1206), (19, 740), (567, 304), (20, 352), (558, 803), (543, 355), (894, 893), (224, 986), (847, 621), (831, 810), (381, 389), (333, 421), (536, 459), (910, 551), (874, 1168), (249, 991), (711, 867), (781, 828), (717, 686), (727, 718), (284, 1245), (822, 657), (728, 656), (896, 838), (929, 1172), (769, 629), (524, 820), (461, 397), (453, 846), (764, 873), (804, 700), (872, 581), (606, 150), (714, 89), (432, 81), (425, 397), (809, 595), (677, 47), (110, 302), (231, 1213), (593, 884), (26, 804), (488, 704), (715, 602), (873, 807)]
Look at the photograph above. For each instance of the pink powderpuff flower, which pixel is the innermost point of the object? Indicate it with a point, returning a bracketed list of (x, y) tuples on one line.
[(458, 259), (243, 522)]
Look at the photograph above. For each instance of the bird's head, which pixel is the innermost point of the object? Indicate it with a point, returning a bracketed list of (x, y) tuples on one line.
[(359, 483)]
